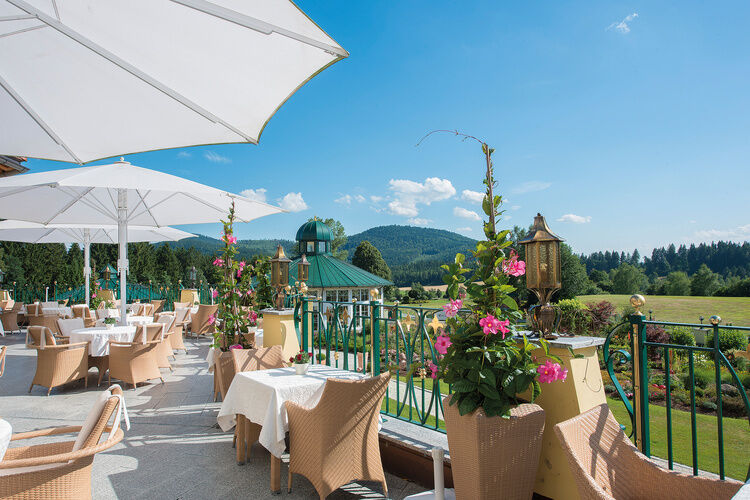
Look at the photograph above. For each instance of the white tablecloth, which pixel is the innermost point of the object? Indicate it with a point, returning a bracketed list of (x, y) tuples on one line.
[(99, 337), (260, 396), (134, 320), (60, 311), (6, 431), (210, 357)]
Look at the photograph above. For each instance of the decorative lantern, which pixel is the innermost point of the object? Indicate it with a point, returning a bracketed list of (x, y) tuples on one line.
[(280, 275), (303, 269), (193, 275), (543, 272), (106, 275)]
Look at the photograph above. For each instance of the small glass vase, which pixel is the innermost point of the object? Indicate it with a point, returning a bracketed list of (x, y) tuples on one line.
[(301, 368)]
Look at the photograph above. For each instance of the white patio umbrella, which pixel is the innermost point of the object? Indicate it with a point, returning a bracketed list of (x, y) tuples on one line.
[(32, 232), (120, 193), (89, 79)]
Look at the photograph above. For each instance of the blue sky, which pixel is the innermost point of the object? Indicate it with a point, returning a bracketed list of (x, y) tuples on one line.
[(625, 123)]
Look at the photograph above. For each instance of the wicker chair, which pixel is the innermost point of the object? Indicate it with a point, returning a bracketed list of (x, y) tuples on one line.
[(59, 470), (336, 442), (182, 319), (36, 317), (66, 326), (165, 351), (606, 465), (199, 324), (179, 305), (133, 362), (158, 306), (9, 318), (136, 309), (84, 312), (39, 336), (58, 364), (174, 330), (2, 359), (147, 309)]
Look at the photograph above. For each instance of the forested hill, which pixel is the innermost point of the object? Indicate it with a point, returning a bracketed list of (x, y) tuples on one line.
[(247, 248), (414, 254)]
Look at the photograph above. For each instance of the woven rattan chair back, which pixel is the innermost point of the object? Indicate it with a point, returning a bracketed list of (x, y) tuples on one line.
[(200, 323), (154, 332), (167, 319), (37, 332), (34, 309), (66, 326), (246, 360), (178, 305), (158, 305)]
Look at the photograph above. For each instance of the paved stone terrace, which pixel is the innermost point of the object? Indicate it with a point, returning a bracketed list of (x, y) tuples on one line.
[(173, 448)]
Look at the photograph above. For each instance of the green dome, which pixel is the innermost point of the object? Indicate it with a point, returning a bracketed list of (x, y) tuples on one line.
[(314, 230)]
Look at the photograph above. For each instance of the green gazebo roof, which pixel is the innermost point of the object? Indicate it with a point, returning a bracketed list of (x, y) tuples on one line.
[(314, 230), (326, 271)]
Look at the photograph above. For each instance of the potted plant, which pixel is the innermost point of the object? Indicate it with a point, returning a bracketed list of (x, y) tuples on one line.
[(494, 429), (109, 323), (252, 321), (301, 362)]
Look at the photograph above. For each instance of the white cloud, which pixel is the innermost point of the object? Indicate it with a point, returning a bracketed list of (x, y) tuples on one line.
[(292, 202), (466, 214), (530, 187), (255, 194), (359, 198), (623, 26), (739, 233), (216, 157), (466, 229), (347, 199), (418, 221), (515, 207), (184, 154), (575, 219), (408, 194), (376, 199), (472, 196)]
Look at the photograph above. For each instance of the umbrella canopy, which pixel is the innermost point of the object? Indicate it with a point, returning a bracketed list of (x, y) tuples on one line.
[(123, 194), (31, 232), (91, 79)]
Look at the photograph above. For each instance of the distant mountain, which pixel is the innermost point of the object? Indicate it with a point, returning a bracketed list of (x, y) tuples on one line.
[(414, 254)]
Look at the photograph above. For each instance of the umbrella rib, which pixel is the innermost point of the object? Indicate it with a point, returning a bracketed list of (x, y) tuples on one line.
[(124, 65), (37, 119), (258, 25), (190, 195), (23, 30), (18, 17), (145, 206), (162, 201), (102, 209), (70, 204)]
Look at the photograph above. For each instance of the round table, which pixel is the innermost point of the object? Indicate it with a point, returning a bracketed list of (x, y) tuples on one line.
[(6, 431), (135, 320), (60, 311), (98, 337)]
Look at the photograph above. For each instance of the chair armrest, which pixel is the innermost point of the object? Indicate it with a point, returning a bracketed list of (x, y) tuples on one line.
[(65, 457), (45, 432)]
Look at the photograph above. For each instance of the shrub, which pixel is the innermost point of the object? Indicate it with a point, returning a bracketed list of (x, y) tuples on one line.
[(683, 397), (742, 364), (572, 316), (699, 392), (609, 389), (746, 381), (600, 315), (733, 407), (682, 335), (656, 395), (702, 378), (729, 390), (729, 339), (708, 405), (657, 335)]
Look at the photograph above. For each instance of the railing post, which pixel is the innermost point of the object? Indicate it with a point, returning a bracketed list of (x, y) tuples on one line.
[(715, 320), (375, 337), (640, 378), (305, 323)]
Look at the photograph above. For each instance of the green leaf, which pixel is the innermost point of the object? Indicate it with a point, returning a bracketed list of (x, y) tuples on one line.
[(536, 390), (489, 391), (464, 385), (488, 376), (460, 258)]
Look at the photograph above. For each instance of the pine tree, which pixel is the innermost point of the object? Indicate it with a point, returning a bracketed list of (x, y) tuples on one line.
[(367, 257)]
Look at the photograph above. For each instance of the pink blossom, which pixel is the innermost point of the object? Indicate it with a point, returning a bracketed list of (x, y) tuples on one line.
[(93, 296), (219, 261), (503, 327), (239, 273), (442, 344), (549, 372), (214, 293), (452, 307), (512, 266), (211, 319), (230, 239), (235, 346), (434, 369), (489, 324), (562, 374), (252, 316)]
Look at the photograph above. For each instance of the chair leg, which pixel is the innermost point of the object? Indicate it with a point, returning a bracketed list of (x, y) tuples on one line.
[(49, 390), (31, 387), (289, 483), (385, 489), (86, 381)]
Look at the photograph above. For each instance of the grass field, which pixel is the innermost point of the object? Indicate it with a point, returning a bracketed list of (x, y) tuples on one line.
[(735, 310), (736, 439)]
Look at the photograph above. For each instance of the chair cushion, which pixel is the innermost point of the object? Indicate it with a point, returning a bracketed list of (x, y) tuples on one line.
[(91, 419), (67, 326)]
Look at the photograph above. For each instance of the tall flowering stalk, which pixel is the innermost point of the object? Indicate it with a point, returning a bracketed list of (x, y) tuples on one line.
[(486, 364), (235, 294)]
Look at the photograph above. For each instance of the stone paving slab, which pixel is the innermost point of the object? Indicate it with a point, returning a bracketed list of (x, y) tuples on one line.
[(174, 448)]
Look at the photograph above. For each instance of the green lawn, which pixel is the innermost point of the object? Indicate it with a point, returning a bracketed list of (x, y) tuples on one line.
[(735, 310), (736, 439)]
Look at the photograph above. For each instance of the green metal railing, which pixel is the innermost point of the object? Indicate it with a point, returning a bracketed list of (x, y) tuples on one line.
[(637, 354), (373, 337), (76, 294)]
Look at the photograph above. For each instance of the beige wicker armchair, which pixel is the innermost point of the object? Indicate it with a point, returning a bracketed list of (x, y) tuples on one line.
[(199, 324), (164, 351), (39, 336), (176, 341), (336, 442), (606, 465), (179, 305), (84, 312), (59, 470), (9, 318), (158, 306), (46, 320), (133, 362), (59, 364)]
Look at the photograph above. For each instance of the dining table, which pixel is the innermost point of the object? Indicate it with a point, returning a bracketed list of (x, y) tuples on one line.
[(260, 396), (98, 338)]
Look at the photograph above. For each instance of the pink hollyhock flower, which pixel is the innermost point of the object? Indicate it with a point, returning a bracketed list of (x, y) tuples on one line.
[(548, 372), (442, 343), (219, 261), (211, 319), (512, 266), (235, 346), (434, 369), (489, 324), (214, 293), (503, 327), (452, 307)]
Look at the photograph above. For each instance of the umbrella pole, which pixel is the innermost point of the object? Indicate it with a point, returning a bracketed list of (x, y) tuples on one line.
[(122, 240), (87, 262)]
